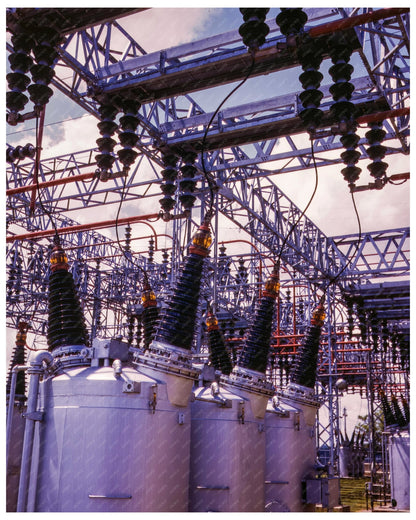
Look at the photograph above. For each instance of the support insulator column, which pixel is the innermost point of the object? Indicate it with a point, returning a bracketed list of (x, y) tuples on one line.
[(219, 356), (169, 174), (304, 369), (177, 324), (66, 323), (255, 353)]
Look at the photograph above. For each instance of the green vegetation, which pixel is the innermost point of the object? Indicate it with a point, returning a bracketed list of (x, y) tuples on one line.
[(353, 493)]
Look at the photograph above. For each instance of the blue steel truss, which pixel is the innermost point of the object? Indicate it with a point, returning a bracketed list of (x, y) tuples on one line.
[(243, 147)]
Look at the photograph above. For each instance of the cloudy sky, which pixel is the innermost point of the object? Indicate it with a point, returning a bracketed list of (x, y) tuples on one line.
[(69, 129)]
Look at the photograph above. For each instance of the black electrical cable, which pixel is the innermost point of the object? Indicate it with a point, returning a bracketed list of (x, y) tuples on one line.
[(397, 183), (209, 177), (37, 166), (333, 280), (279, 256)]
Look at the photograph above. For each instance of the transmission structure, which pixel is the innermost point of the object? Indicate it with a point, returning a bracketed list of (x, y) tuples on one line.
[(172, 162)]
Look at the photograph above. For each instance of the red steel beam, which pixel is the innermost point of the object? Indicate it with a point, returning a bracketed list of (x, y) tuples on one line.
[(380, 116), (83, 227), (347, 23), (47, 184)]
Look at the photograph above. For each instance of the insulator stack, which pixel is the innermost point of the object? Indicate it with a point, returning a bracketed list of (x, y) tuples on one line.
[(310, 55), (151, 249), (305, 365), (255, 353), (398, 412), (42, 72), (291, 22), (254, 29), (406, 409), (186, 181), (242, 274), (177, 323), (130, 328), (150, 314), (376, 151), (219, 356), (107, 126), (169, 174), (127, 246), (374, 324), (389, 417), (20, 152), (127, 135), (18, 358), (343, 109), (66, 324), (18, 80)]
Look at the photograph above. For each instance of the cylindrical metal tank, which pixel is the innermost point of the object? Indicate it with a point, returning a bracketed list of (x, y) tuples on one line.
[(345, 462), (399, 453), (14, 455), (227, 451), (290, 453), (110, 441)]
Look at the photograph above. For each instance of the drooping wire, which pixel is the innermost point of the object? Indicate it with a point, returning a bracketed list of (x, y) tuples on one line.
[(37, 167), (208, 176), (335, 278), (279, 256)]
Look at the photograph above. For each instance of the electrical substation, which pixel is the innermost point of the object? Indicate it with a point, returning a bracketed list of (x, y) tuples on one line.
[(183, 336)]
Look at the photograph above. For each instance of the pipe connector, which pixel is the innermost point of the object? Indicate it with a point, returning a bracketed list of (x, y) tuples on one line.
[(117, 367), (36, 364)]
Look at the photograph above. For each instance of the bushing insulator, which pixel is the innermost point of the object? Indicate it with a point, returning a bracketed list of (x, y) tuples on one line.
[(129, 122), (169, 174), (66, 324), (105, 161), (311, 98), (127, 156), (150, 317), (378, 169), (350, 156), (254, 30), (350, 140), (311, 78), (341, 72), (168, 188), (107, 128), (39, 94), (291, 20), (167, 203), (177, 323), (20, 152), (16, 101), (106, 144), (351, 174), (343, 111), (219, 355), (128, 139), (42, 73), (310, 55), (17, 81), (341, 90), (376, 135), (255, 353)]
